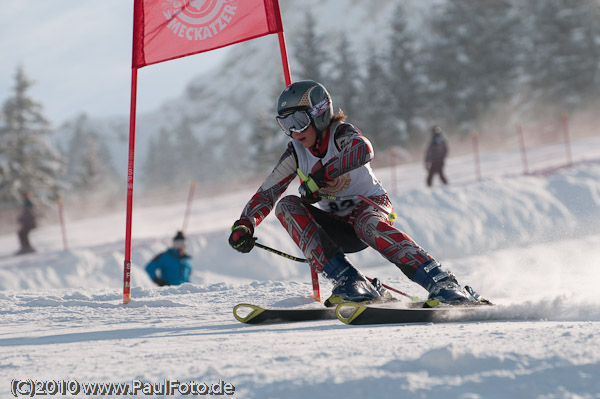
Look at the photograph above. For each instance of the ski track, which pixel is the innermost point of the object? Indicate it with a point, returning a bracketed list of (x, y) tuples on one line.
[(529, 243), (188, 332)]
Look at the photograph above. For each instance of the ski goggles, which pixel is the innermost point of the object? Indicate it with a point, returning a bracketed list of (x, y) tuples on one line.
[(296, 122)]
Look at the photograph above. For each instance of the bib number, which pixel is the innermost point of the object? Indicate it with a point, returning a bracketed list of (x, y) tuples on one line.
[(343, 205)]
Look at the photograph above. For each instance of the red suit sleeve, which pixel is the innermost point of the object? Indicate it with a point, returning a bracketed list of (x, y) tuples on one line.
[(262, 203), (356, 151)]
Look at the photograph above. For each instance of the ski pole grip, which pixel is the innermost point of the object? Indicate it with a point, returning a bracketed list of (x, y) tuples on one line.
[(302, 176)]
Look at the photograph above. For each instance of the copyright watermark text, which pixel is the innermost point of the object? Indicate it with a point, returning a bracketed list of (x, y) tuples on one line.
[(31, 388)]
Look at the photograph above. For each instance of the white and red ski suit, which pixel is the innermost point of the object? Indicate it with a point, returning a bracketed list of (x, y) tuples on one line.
[(336, 226)]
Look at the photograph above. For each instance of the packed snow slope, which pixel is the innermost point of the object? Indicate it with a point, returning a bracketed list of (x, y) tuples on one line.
[(529, 243)]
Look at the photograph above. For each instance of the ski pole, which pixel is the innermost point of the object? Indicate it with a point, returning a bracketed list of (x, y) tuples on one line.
[(277, 252), (313, 272), (413, 298), (302, 260)]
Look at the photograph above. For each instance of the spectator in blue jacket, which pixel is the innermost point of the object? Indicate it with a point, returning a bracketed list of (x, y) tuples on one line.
[(171, 267)]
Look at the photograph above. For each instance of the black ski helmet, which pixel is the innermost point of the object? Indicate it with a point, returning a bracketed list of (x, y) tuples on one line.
[(310, 96)]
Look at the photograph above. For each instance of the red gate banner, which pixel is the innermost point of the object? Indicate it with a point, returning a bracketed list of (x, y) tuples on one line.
[(168, 29)]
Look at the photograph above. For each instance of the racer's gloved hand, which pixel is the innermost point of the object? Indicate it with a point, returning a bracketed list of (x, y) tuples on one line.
[(241, 238), (309, 189)]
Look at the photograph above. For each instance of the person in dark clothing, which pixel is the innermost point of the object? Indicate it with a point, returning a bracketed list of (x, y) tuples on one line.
[(171, 267), (27, 222), (435, 155)]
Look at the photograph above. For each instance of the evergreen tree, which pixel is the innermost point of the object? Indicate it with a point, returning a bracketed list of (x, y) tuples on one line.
[(310, 56), (187, 155), (89, 165), (406, 72), (345, 80), (562, 55), (160, 164), (28, 161), (268, 142), (473, 60), (374, 117)]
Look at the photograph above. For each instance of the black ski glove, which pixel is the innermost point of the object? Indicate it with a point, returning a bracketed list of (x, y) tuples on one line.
[(241, 238), (309, 189)]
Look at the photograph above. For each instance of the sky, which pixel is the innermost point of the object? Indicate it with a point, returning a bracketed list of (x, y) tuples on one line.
[(78, 53), (531, 244)]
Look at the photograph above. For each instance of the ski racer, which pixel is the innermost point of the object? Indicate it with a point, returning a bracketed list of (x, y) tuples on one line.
[(334, 158)]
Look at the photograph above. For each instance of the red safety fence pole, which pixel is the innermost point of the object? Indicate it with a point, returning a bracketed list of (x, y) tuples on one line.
[(188, 207), (565, 126), (393, 170), (62, 222), (476, 155), (523, 150)]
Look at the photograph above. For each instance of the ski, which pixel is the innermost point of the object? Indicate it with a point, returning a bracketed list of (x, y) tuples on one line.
[(359, 314), (252, 314)]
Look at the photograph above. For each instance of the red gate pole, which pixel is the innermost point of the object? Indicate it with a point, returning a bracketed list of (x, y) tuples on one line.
[(284, 59), (130, 167)]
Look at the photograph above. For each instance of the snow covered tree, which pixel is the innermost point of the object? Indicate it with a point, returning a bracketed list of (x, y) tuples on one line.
[(473, 61), (310, 55), (160, 165), (189, 158), (28, 161), (562, 52), (345, 80), (268, 142), (406, 74), (374, 117), (89, 166)]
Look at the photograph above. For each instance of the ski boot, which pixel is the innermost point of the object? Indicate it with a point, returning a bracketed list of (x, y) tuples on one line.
[(441, 285), (349, 284), (384, 294), (481, 300)]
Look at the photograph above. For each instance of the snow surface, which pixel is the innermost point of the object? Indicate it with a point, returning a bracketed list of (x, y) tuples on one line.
[(529, 243)]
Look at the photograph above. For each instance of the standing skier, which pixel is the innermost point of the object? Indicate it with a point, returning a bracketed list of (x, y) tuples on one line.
[(27, 222), (435, 156), (335, 156)]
